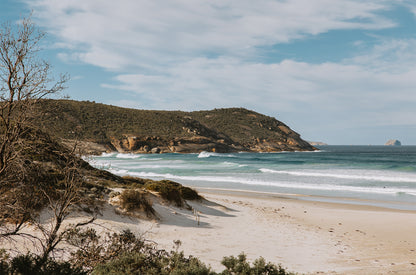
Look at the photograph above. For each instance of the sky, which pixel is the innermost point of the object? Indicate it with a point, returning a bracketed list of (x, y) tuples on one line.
[(335, 71)]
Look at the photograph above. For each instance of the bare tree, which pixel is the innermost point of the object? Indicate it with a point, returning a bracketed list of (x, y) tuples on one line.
[(27, 187), (24, 79), (59, 198), (68, 199)]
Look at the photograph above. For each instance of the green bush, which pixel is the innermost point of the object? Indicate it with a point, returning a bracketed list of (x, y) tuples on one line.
[(158, 264), (93, 249), (189, 193), (132, 200), (173, 191), (239, 265), (176, 263), (124, 253), (134, 181), (30, 264), (168, 190), (127, 263)]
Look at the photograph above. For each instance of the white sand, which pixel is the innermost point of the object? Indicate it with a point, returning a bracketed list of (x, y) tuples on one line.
[(305, 237)]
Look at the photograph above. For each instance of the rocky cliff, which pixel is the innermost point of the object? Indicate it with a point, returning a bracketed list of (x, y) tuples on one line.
[(143, 131)]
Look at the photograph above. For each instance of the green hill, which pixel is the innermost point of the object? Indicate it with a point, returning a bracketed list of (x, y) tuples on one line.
[(132, 130)]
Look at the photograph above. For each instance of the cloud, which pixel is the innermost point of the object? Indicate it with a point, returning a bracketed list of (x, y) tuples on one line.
[(390, 55), (410, 4), (147, 34)]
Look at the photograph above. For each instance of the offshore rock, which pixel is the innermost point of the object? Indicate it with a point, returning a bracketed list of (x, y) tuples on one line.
[(393, 142)]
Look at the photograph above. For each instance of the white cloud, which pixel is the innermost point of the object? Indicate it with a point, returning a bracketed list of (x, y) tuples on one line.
[(391, 55), (129, 34), (410, 4)]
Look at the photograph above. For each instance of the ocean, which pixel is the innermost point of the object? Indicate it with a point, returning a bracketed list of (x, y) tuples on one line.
[(368, 175)]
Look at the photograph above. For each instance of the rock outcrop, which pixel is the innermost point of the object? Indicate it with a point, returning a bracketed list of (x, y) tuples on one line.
[(393, 142)]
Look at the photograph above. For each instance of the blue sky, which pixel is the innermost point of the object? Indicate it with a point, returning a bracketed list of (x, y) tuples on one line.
[(337, 71)]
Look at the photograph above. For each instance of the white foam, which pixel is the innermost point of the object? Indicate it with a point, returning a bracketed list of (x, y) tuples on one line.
[(101, 164), (227, 163), (205, 154), (128, 156), (120, 172), (107, 155), (291, 185), (349, 174)]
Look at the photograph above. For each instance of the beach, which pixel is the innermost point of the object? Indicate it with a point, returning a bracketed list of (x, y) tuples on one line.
[(306, 237), (341, 210)]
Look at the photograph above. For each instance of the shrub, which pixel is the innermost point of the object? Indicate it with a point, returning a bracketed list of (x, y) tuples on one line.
[(134, 181), (158, 263), (127, 263), (173, 191), (163, 263), (32, 264), (168, 190), (239, 265), (189, 193), (124, 253), (177, 264), (94, 249), (132, 200)]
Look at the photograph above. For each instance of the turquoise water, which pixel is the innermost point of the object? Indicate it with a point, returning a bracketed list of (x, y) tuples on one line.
[(376, 175)]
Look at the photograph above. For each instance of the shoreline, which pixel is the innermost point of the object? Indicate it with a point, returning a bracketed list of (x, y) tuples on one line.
[(376, 204)]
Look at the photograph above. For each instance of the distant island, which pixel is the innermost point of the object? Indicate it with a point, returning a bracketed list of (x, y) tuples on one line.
[(393, 142), (100, 128)]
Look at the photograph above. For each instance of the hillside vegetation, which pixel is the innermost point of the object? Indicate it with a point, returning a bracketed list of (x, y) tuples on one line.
[(132, 130)]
